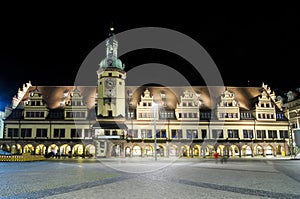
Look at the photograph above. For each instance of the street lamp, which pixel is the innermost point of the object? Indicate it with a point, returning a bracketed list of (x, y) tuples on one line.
[(154, 105)]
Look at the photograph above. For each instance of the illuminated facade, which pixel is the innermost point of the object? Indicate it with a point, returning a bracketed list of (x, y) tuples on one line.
[(114, 120)]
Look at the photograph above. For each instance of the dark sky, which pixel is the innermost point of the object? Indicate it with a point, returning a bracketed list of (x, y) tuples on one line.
[(47, 43)]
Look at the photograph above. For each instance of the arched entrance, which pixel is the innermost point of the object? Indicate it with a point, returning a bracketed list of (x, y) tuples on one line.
[(5, 147), (148, 151), (40, 149), (127, 151), (184, 151), (136, 151), (172, 151), (116, 150), (222, 150), (196, 150), (269, 150), (234, 151), (258, 150), (52, 148), (246, 150), (28, 148), (161, 151), (77, 150), (208, 150), (16, 149), (64, 150), (90, 150)]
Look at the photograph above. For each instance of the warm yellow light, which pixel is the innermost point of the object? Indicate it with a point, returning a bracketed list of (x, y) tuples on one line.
[(111, 29)]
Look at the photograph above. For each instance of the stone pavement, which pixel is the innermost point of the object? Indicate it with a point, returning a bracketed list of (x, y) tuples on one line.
[(146, 178)]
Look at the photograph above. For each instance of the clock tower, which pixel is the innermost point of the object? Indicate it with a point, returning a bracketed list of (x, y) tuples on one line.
[(111, 83), (110, 125)]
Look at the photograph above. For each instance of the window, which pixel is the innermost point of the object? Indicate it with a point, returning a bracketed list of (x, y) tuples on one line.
[(146, 133), (149, 133), (59, 133), (283, 134), (76, 133), (261, 134), (13, 132), (114, 132), (217, 133), (176, 133), (189, 134), (26, 132), (248, 133), (233, 133), (204, 133), (161, 133), (35, 114), (272, 134), (87, 133), (107, 132), (133, 133), (41, 132)]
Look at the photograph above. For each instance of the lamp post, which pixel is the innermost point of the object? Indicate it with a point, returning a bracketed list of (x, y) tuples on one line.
[(154, 123)]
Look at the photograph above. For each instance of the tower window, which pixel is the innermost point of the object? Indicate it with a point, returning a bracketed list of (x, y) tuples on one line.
[(110, 74)]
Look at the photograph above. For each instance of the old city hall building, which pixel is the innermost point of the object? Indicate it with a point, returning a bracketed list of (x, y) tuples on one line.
[(111, 119)]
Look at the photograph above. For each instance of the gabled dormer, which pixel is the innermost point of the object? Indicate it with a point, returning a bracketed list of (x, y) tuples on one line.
[(265, 109), (34, 107), (188, 107), (75, 108), (146, 109), (227, 108)]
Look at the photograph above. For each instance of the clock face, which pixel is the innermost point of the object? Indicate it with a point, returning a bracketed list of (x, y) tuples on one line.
[(110, 83), (110, 92)]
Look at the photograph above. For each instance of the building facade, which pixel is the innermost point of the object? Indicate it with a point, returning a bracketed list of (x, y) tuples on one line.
[(111, 119)]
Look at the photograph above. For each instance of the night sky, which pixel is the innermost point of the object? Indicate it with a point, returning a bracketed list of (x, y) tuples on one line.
[(47, 44)]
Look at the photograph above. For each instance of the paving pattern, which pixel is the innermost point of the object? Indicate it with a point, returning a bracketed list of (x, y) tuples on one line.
[(136, 178)]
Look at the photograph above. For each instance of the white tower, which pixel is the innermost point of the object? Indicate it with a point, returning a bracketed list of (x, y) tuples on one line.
[(111, 82)]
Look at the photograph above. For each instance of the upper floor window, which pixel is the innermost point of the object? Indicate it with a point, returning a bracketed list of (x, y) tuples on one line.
[(217, 133)]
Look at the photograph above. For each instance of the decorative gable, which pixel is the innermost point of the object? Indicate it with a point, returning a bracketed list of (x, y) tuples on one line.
[(188, 107), (145, 108), (34, 107), (265, 108), (75, 108), (228, 108)]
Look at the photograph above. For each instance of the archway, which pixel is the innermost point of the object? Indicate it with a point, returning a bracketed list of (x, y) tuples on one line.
[(40, 149), (161, 151), (208, 150), (137, 151), (16, 149), (64, 150), (184, 151), (127, 151), (246, 150), (172, 151), (148, 151), (5, 147), (116, 150), (222, 150), (196, 150), (52, 148), (234, 151), (269, 150), (258, 150), (28, 148), (90, 150), (77, 150)]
